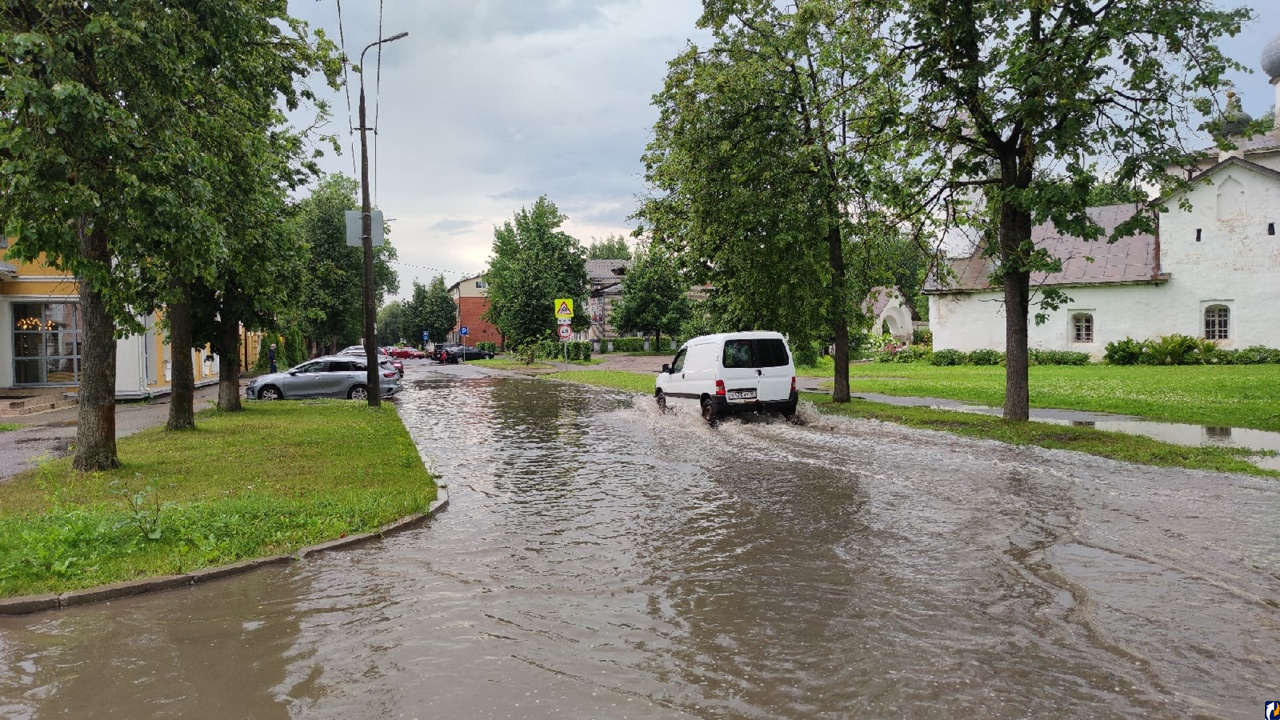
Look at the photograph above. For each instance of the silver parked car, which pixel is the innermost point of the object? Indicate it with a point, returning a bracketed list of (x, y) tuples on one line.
[(336, 376)]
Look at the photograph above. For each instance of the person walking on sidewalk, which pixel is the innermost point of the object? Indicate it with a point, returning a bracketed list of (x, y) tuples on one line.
[(271, 357)]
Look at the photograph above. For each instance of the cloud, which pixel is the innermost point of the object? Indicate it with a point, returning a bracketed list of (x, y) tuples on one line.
[(451, 226), (489, 104)]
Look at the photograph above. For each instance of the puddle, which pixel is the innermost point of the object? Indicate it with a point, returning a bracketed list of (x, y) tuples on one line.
[(1262, 441), (1193, 435)]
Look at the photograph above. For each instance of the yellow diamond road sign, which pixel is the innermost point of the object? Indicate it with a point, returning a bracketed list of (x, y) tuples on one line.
[(564, 308)]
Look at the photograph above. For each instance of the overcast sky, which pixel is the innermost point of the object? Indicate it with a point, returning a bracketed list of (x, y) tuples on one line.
[(488, 104)]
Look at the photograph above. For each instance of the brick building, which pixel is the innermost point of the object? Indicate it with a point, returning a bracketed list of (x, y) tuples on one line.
[(471, 295)]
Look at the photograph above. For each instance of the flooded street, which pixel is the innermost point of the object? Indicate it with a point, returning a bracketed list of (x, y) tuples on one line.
[(599, 560)]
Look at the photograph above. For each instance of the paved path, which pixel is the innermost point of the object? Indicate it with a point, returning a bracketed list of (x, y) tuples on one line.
[(51, 434)]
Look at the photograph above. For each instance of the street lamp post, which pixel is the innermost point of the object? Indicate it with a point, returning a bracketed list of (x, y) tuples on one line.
[(374, 377)]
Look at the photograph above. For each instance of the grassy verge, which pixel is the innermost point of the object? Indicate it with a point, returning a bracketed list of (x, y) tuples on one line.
[(1244, 396), (266, 481), (6, 427), (617, 379), (1117, 446)]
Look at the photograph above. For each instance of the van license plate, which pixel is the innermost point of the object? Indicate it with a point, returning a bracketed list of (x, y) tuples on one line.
[(742, 394)]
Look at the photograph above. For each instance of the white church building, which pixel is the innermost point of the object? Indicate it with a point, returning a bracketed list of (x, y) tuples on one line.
[(1211, 271)]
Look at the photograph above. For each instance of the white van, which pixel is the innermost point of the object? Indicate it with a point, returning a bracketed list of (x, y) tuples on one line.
[(730, 373)]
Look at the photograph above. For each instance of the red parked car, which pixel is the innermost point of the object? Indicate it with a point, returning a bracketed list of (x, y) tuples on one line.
[(406, 353)]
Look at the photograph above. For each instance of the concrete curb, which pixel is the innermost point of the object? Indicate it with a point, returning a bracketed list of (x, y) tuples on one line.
[(28, 604)]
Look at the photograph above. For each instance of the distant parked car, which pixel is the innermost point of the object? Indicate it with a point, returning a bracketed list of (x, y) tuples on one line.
[(358, 351), (336, 376), (442, 349), (406, 352), (455, 353)]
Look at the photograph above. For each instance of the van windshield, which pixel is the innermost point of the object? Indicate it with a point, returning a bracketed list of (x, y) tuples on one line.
[(764, 352)]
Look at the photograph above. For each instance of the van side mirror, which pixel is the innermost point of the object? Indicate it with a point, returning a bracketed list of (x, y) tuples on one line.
[(666, 368)]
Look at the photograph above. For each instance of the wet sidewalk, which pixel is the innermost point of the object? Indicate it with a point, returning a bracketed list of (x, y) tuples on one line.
[(52, 434)]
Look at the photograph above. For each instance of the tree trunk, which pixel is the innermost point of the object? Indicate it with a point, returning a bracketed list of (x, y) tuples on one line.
[(96, 416), (229, 363), (839, 311), (1015, 229), (183, 388)]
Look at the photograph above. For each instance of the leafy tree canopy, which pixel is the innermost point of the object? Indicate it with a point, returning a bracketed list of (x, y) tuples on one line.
[(329, 288), (653, 295), (1008, 97), (614, 247), (533, 264), (433, 310)]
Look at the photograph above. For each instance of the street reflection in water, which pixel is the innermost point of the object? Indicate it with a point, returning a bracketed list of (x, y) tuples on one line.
[(602, 560)]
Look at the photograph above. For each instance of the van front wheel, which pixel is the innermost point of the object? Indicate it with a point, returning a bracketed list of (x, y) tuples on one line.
[(662, 401)]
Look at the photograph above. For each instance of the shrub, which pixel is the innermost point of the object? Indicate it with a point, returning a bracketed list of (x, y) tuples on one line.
[(901, 353), (872, 345), (922, 336), (294, 349), (948, 357), (1174, 349), (488, 346), (806, 354), (985, 356), (1057, 357), (1125, 352), (628, 344), (1252, 355)]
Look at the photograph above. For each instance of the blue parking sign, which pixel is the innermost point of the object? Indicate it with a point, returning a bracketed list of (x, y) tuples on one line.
[(462, 331), (426, 336)]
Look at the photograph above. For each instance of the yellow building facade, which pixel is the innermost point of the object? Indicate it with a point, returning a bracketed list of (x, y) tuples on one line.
[(41, 339)]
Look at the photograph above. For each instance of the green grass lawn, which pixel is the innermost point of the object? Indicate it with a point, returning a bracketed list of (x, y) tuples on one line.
[(6, 427), (617, 379), (274, 478), (1245, 396)]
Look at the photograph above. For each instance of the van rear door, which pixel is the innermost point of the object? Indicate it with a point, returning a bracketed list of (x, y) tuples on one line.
[(756, 370), (776, 370)]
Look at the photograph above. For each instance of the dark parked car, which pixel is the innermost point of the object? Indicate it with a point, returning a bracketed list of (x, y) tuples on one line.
[(441, 348), (338, 376), (455, 353)]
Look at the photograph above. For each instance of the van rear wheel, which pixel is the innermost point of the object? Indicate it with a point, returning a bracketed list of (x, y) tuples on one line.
[(709, 411)]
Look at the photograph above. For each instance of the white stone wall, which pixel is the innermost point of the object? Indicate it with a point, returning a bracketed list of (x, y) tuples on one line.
[(1235, 263)]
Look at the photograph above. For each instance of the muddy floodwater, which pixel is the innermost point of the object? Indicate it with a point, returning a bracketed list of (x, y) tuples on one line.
[(599, 560)]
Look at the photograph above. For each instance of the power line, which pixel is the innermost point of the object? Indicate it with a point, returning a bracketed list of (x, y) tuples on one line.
[(346, 86), (438, 270)]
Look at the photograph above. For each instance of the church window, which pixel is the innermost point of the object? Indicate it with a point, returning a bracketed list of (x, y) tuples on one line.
[(1082, 328), (1216, 319), (1231, 201)]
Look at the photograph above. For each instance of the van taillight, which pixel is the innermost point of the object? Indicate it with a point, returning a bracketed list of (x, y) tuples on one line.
[(719, 387), (793, 383)]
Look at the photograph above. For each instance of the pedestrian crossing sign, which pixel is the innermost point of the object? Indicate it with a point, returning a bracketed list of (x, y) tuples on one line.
[(564, 308)]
